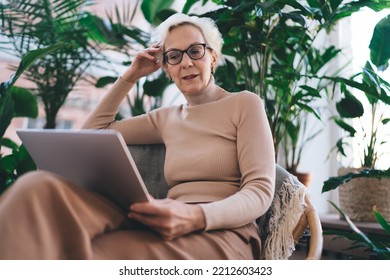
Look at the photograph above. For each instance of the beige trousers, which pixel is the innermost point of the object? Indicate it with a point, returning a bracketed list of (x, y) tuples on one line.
[(43, 216)]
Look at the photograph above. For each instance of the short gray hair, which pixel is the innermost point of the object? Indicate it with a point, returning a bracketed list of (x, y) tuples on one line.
[(206, 25)]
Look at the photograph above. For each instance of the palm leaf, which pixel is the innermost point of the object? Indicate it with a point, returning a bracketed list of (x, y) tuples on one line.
[(385, 225), (353, 227), (151, 8), (6, 102), (380, 44), (333, 182)]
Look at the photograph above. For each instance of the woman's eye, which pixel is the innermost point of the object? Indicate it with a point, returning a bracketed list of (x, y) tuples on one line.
[(195, 51), (173, 55)]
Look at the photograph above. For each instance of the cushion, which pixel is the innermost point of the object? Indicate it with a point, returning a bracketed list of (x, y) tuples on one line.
[(150, 162)]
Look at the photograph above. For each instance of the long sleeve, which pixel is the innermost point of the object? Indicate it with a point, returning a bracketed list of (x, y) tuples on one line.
[(257, 166), (218, 154), (135, 130)]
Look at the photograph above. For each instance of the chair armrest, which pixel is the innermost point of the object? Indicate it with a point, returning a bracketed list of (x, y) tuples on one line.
[(310, 219), (316, 239)]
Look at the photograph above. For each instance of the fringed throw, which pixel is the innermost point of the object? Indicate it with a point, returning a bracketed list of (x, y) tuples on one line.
[(284, 213)]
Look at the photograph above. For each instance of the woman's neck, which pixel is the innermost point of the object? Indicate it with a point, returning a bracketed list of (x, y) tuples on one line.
[(210, 93)]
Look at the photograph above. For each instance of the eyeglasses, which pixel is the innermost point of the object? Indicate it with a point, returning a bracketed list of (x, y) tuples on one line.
[(175, 56)]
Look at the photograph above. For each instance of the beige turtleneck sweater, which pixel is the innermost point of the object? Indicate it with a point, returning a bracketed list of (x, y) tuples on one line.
[(218, 154)]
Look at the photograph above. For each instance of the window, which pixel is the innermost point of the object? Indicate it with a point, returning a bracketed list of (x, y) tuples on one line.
[(40, 122), (362, 27)]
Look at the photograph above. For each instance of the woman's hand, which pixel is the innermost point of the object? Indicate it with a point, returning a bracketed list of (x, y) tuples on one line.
[(169, 217), (144, 63)]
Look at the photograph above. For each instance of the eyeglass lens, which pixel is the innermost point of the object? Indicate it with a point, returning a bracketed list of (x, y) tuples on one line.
[(194, 52)]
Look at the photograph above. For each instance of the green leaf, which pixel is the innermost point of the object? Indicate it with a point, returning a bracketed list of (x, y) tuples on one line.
[(377, 244), (150, 8), (333, 182), (315, 3), (157, 86), (138, 35), (313, 92), (382, 221), (163, 15), (24, 162), (99, 32), (6, 142), (340, 146), (8, 164), (335, 4), (26, 103), (353, 226), (380, 44), (32, 56), (372, 80), (7, 103), (103, 81), (6, 113), (296, 17), (341, 123), (188, 5), (349, 106), (385, 121)]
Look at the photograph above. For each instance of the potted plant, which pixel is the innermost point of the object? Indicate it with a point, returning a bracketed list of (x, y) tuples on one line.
[(270, 49), (379, 247), (299, 134), (118, 34), (28, 24), (17, 102), (362, 188)]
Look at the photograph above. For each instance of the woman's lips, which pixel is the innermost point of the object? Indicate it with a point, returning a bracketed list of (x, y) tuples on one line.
[(190, 77)]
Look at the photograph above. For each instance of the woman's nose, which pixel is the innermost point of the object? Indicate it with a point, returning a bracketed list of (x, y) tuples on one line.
[(186, 61)]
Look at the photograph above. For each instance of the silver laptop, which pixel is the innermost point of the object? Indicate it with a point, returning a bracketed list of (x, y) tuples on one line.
[(97, 160)]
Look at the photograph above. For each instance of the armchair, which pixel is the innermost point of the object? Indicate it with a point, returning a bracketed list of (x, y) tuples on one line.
[(290, 215)]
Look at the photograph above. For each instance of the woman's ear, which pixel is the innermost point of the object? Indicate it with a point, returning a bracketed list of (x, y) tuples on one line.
[(164, 68), (213, 60)]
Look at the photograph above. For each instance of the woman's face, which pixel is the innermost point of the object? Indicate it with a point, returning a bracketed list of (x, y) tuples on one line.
[(190, 76)]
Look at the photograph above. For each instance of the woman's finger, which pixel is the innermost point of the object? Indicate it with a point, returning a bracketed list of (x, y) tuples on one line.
[(149, 220), (146, 55), (156, 208)]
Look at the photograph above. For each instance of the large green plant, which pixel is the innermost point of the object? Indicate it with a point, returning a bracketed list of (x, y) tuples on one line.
[(378, 246), (377, 94), (270, 49), (118, 34), (30, 24), (17, 102)]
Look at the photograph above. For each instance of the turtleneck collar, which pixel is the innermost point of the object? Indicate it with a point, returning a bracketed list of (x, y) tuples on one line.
[(210, 93)]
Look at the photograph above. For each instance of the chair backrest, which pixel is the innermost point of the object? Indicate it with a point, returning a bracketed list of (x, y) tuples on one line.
[(150, 162)]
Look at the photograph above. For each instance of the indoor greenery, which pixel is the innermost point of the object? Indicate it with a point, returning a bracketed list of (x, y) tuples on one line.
[(271, 49), (376, 91), (17, 102), (379, 247), (117, 33), (30, 24)]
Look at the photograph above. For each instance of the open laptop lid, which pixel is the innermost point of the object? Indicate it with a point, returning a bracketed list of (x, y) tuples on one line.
[(97, 160)]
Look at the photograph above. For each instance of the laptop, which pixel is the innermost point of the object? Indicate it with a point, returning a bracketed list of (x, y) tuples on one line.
[(97, 160)]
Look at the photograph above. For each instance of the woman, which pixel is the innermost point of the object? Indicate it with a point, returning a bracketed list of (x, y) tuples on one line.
[(219, 166)]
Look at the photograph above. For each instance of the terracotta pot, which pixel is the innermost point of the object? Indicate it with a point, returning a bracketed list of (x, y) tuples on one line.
[(304, 178), (358, 197)]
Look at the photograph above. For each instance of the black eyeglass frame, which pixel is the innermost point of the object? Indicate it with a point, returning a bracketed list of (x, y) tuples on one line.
[(185, 51)]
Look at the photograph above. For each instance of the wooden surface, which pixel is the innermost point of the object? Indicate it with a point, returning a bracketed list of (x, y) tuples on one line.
[(336, 248), (333, 221)]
